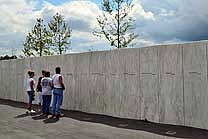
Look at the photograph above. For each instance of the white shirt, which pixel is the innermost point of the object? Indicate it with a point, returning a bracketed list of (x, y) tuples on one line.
[(46, 87), (29, 80), (56, 82)]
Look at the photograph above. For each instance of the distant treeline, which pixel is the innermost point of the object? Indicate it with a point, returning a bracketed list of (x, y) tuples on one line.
[(8, 57)]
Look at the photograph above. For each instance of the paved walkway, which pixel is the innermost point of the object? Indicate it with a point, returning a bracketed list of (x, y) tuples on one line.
[(16, 124)]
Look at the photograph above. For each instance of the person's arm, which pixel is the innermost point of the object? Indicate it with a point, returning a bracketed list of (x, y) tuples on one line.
[(31, 85), (51, 84), (61, 82), (38, 85)]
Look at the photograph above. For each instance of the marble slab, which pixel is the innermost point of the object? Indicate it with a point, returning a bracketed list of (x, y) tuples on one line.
[(171, 85), (149, 83), (195, 85)]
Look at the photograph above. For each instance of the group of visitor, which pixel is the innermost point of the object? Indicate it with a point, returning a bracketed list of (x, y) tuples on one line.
[(46, 86)]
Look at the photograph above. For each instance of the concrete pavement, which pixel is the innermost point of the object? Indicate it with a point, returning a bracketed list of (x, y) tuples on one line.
[(16, 124)]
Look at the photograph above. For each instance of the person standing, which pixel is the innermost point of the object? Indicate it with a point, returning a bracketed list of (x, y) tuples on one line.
[(46, 84), (59, 87), (30, 84), (39, 90)]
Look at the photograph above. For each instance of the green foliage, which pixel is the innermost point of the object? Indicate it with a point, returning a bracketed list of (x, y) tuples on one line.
[(115, 23), (60, 33), (6, 57), (37, 41)]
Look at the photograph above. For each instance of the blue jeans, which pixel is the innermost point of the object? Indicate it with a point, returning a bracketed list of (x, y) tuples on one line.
[(57, 101), (46, 103), (30, 96)]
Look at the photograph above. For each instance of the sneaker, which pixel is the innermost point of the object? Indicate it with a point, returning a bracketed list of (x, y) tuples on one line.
[(32, 111), (27, 112), (58, 116), (39, 110), (49, 113), (53, 116)]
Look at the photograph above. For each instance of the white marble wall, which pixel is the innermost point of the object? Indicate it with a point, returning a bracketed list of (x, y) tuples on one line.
[(165, 84), (195, 85), (171, 103), (149, 83)]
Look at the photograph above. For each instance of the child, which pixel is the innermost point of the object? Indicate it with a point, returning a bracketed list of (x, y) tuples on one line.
[(39, 90), (46, 84), (30, 90)]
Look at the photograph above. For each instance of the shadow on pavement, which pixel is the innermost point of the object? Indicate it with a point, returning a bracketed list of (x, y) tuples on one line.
[(22, 115), (50, 120), (133, 124), (25, 115), (156, 128), (39, 117)]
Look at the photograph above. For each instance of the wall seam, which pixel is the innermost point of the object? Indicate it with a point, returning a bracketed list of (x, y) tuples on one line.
[(207, 59), (140, 114), (105, 86), (158, 84), (184, 119)]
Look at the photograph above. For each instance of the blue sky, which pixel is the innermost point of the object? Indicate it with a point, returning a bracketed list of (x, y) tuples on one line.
[(157, 22), (59, 2)]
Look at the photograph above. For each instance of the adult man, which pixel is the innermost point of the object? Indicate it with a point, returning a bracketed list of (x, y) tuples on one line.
[(46, 84), (59, 87)]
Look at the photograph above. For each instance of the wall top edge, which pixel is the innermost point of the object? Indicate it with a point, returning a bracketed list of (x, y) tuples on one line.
[(104, 51)]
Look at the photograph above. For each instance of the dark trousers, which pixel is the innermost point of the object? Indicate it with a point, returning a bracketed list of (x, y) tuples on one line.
[(46, 103)]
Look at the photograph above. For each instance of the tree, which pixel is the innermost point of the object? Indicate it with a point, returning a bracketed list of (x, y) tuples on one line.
[(115, 23), (60, 33), (6, 57), (37, 41)]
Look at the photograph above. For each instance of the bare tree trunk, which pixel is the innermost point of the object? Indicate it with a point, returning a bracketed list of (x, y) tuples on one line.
[(118, 29), (59, 43), (41, 47)]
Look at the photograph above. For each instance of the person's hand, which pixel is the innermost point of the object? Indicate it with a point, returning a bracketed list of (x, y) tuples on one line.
[(33, 95), (63, 87), (33, 92)]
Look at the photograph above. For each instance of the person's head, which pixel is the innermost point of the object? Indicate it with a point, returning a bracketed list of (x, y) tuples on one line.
[(47, 74), (58, 70), (43, 72), (31, 73)]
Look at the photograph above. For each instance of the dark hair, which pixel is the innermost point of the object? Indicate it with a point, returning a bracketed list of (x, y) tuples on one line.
[(43, 72), (30, 73), (58, 70), (47, 74), (39, 87)]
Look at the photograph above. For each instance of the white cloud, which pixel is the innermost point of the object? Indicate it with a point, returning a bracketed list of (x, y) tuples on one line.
[(166, 13), (139, 12), (157, 21), (87, 42), (176, 20), (81, 16), (16, 15)]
